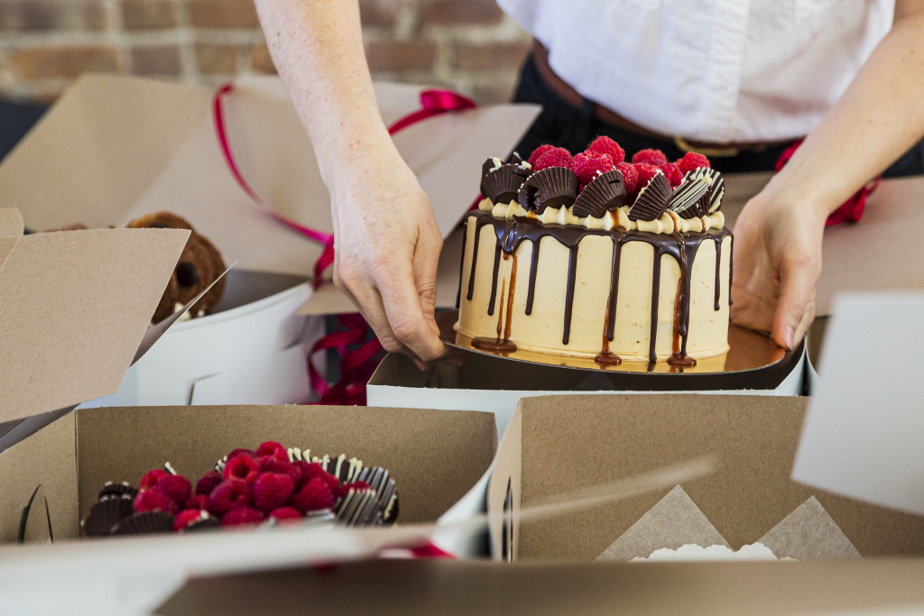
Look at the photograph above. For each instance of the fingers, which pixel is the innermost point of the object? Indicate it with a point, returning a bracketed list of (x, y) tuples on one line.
[(398, 303), (795, 309), (409, 298)]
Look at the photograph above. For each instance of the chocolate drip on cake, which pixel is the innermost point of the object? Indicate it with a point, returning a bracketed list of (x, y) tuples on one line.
[(471, 275), (497, 254), (461, 270), (682, 247), (531, 288)]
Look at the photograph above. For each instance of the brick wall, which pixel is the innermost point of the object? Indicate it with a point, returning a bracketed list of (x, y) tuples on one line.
[(469, 45)]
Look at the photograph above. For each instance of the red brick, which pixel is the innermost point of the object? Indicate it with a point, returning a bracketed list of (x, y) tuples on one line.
[(401, 55), (378, 12), (471, 56), (160, 60), (261, 61), (41, 15), (223, 14), (213, 59), (63, 61), (459, 12), (149, 14)]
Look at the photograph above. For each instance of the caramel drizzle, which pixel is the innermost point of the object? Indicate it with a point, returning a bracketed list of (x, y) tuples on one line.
[(681, 247)]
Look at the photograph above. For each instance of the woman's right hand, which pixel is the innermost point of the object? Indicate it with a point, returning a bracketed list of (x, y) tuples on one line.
[(387, 246)]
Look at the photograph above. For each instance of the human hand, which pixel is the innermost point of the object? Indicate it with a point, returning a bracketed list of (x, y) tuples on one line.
[(777, 261), (387, 246)]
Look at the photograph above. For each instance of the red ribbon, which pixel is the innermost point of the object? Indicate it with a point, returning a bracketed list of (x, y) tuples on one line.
[(849, 211), (357, 350)]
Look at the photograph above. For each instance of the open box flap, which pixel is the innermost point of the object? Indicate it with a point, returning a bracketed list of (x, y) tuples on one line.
[(91, 156), (119, 147), (862, 434), (75, 309)]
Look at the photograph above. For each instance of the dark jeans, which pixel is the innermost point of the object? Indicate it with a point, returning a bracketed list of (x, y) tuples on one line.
[(564, 125)]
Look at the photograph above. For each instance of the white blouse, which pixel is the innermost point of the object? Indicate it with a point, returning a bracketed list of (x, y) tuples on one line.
[(721, 71)]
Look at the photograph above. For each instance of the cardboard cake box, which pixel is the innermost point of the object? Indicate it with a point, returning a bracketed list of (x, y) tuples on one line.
[(71, 459), (556, 445)]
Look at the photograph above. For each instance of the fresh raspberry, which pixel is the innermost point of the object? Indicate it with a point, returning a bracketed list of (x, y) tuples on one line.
[(238, 452), (673, 174), (605, 145), (242, 515), (272, 465), (645, 173), (187, 517), (175, 487), (692, 161), (229, 494), (652, 157), (286, 515), (152, 500), (314, 495), (556, 157), (356, 485), (310, 471), (241, 467), (151, 478), (198, 501), (629, 176), (272, 490), (542, 149), (588, 165), (272, 448), (208, 482)]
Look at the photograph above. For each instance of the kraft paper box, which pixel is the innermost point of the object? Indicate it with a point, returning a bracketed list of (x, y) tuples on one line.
[(435, 457), (74, 314), (834, 587), (556, 445)]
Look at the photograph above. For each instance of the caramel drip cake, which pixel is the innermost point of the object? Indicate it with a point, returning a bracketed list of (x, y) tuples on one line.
[(598, 258)]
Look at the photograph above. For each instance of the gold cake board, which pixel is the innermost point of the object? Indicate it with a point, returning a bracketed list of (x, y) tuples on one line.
[(748, 351)]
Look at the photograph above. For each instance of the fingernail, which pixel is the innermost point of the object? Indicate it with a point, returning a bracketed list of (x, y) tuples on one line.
[(788, 335)]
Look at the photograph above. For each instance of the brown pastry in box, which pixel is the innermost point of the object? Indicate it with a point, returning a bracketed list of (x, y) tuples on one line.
[(199, 265)]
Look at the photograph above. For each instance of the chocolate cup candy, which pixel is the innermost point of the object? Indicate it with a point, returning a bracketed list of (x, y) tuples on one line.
[(205, 524), (552, 187), (385, 491), (106, 514), (116, 489), (652, 199), (359, 508), (606, 192), (501, 185), (691, 199), (716, 192), (147, 523)]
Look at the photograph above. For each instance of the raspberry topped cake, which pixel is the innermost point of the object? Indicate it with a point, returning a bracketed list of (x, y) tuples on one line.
[(593, 256)]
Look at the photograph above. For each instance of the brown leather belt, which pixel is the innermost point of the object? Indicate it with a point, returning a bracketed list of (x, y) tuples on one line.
[(541, 59)]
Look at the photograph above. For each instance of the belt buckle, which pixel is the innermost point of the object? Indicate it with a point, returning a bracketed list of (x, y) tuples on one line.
[(712, 152)]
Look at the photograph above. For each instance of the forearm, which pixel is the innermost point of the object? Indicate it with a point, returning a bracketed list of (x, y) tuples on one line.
[(317, 48), (877, 119)]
